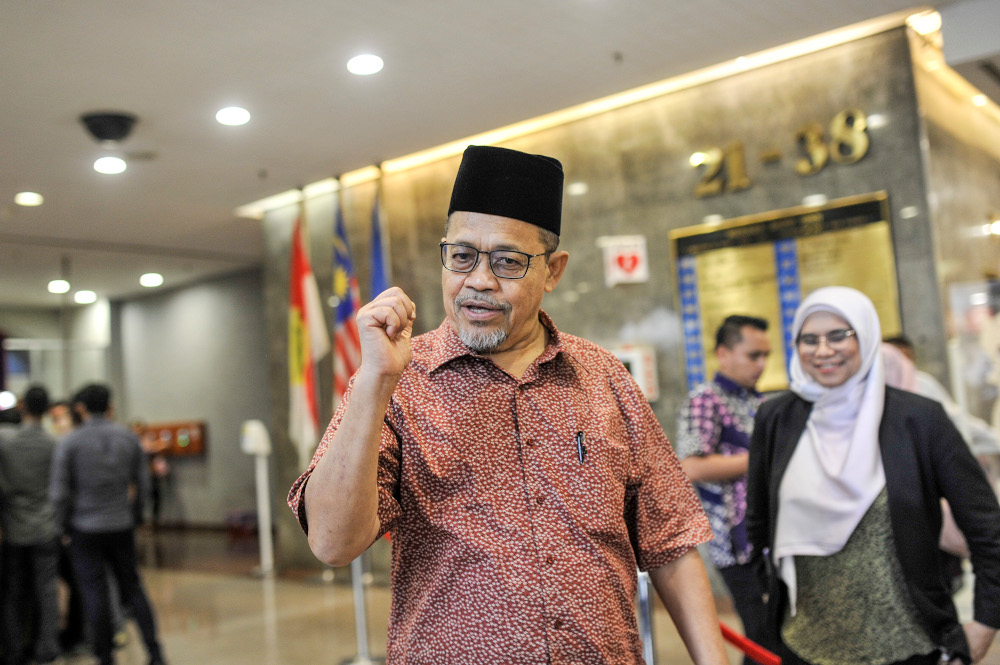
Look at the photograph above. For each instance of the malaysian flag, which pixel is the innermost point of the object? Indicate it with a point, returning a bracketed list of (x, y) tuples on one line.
[(346, 342)]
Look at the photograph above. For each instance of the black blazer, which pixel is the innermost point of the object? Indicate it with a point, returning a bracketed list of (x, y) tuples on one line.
[(925, 459)]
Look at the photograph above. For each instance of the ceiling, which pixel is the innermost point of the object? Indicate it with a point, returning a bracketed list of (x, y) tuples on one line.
[(453, 68)]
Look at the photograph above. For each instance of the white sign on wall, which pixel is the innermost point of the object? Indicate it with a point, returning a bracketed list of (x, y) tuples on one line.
[(640, 361), (625, 259)]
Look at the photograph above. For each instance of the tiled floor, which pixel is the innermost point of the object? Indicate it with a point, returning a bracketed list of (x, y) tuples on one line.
[(212, 610)]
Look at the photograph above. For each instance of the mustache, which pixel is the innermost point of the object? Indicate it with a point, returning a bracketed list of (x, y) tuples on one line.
[(481, 299)]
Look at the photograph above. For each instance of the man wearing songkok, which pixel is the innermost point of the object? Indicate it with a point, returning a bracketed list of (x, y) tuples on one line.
[(521, 472)]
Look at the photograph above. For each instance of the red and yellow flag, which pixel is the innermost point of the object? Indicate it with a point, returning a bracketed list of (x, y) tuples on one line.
[(308, 342)]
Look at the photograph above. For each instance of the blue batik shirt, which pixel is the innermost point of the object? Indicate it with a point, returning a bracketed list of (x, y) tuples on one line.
[(717, 418)]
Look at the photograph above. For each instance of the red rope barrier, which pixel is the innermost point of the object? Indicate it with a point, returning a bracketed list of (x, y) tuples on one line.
[(750, 648)]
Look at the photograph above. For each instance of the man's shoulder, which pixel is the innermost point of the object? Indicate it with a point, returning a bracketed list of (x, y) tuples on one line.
[(707, 390), (36, 435), (586, 351)]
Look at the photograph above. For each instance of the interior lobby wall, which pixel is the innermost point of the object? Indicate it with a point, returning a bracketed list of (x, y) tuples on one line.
[(199, 353), (635, 163)]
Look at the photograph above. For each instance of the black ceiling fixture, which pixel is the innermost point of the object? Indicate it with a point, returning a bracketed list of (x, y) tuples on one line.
[(108, 126)]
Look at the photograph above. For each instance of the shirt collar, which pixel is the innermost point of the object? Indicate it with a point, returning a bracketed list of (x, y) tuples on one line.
[(448, 346), (731, 386)]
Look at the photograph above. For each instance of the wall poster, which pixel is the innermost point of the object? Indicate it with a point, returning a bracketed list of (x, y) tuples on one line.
[(765, 264)]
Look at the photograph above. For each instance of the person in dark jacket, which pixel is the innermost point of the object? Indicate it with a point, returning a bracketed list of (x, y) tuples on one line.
[(845, 484), (99, 481)]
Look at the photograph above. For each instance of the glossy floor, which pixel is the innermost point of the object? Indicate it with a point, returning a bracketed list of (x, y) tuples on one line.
[(211, 609)]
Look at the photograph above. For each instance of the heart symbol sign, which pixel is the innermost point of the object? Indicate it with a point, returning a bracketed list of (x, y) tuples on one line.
[(628, 262)]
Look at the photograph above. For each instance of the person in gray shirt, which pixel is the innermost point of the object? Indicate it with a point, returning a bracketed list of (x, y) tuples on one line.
[(99, 481), (30, 550)]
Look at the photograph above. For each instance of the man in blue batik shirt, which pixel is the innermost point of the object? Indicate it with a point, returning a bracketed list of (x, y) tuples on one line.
[(713, 437)]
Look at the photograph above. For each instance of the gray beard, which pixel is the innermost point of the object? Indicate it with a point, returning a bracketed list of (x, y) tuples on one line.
[(483, 341)]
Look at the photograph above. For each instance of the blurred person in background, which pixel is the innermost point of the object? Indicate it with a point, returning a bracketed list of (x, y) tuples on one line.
[(713, 439), (99, 483), (30, 550)]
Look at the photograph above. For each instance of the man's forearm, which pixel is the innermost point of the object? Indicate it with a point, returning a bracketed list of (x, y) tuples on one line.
[(341, 496), (685, 591), (710, 468)]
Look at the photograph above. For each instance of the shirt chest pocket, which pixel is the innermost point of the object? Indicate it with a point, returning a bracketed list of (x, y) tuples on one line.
[(596, 485)]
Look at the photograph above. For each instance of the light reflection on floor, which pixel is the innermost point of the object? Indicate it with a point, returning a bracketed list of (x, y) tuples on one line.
[(222, 614), (220, 619)]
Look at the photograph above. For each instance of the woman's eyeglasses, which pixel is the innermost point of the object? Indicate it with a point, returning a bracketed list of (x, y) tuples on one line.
[(835, 339)]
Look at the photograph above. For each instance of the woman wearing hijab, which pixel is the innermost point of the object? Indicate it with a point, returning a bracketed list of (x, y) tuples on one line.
[(844, 489)]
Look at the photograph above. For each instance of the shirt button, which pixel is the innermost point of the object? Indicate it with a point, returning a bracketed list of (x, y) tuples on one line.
[(557, 624), (531, 443), (550, 559), (539, 500)]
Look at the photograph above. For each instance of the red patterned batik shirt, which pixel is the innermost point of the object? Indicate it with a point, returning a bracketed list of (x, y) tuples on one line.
[(521, 508)]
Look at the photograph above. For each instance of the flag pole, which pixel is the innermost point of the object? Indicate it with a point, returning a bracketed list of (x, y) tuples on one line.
[(345, 332)]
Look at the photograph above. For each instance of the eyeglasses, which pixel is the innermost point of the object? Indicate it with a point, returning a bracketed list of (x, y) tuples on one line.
[(505, 263), (835, 339)]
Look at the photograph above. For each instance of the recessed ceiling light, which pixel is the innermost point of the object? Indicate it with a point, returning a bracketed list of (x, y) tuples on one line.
[(233, 116), (110, 165), (877, 121), (84, 297), (151, 280), (28, 199), (925, 23), (58, 286), (364, 65), (7, 399)]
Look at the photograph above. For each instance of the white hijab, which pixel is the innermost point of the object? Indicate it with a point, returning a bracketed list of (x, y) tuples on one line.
[(836, 471)]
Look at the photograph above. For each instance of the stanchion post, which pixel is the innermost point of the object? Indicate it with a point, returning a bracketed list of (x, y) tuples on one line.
[(360, 615), (646, 619), (254, 440)]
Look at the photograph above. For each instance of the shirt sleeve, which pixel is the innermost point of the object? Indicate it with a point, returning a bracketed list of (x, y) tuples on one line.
[(59, 487), (974, 506), (698, 427), (388, 472), (662, 510)]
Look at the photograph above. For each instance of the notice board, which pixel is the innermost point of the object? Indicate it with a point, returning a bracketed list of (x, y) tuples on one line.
[(765, 264)]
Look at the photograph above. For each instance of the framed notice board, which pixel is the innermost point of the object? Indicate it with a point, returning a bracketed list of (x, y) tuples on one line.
[(765, 264), (185, 438)]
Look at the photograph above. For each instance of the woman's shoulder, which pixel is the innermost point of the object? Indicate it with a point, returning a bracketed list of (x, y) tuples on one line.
[(905, 403), (778, 402)]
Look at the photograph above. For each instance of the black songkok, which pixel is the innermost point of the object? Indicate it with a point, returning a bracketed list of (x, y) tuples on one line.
[(509, 183)]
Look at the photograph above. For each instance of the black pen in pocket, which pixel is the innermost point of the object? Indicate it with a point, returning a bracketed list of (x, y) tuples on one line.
[(581, 449)]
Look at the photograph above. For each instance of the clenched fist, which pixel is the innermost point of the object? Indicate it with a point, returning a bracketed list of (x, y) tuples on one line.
[(385, 326)]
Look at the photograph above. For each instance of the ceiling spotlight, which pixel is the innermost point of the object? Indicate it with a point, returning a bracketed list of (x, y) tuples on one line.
[(28, 199), (84, 297), (233, 116), (151, 280), (58, 286), (110, 165), (7, 400), (108, 127), (925, 23), (364, 65)]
